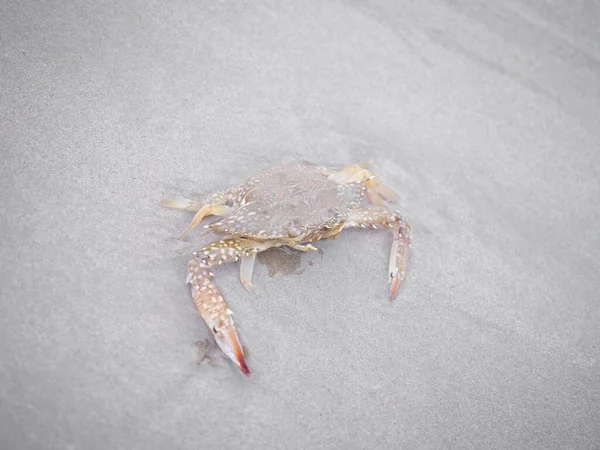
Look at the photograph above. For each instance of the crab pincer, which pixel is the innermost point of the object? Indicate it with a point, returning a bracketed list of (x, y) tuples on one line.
[(210, 302)]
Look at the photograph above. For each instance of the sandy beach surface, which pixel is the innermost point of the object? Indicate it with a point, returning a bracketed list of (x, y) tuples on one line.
[(484, 116)]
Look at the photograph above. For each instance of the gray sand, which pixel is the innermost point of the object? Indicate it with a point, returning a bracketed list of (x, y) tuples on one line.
[(483, 116)]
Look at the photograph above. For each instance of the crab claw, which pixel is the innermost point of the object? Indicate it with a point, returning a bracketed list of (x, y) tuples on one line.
[(395, 281), (227, 339), (398, 256)]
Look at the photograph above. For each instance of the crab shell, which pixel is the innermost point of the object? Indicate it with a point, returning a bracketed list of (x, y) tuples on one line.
[(292, 203)]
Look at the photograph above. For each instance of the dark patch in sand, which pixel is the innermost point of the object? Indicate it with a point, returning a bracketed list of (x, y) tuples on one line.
[(280, 261), (207, 352)]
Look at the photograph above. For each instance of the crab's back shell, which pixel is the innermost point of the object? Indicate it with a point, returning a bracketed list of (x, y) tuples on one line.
[(288, 200)]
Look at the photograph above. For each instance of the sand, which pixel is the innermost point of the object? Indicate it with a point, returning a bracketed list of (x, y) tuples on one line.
[(483, 116)]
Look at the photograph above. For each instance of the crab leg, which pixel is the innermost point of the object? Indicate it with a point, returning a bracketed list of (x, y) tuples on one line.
[(304, 247), (373, 217), (183, 204), (209, 301), (207, 210), (212, 205), (376, 191), (246, 269)]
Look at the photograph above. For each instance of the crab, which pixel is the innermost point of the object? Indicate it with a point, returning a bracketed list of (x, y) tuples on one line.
[(295, 206)]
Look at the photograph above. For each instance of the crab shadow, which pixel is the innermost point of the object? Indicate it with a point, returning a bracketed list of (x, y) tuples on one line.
[(286, 261)]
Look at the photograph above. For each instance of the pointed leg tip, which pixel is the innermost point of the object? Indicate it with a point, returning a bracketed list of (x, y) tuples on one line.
[(244, 369), (249, 287), (394, 288), (185, 233)]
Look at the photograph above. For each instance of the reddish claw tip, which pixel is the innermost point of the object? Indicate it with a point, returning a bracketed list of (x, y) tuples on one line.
[(244, 368), (395, 287), (236, 353)]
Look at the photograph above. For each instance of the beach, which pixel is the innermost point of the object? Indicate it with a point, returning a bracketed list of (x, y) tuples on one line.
[(482, 116)]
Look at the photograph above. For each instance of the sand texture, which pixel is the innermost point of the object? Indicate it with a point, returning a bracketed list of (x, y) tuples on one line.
[(484, 116)]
